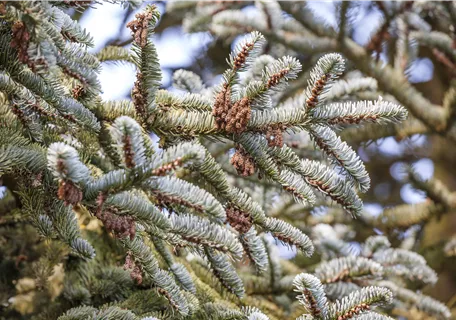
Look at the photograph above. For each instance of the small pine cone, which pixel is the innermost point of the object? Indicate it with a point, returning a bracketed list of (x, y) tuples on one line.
[(77, 92), (138, 96), (135, 269), (139, 26), (222, 105), (241, 221), (37, 180), (243, 162), (120, 226), (274, 135), (136, 274), (20, 40), (239, 116), (69, 192), (129, 263)]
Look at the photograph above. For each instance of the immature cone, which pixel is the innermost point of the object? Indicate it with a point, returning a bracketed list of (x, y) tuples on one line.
[(243, 162), (228, 117), (69, 192), (139, 26), (77, 92), (139, 96), (274, 135), (222, 106), (20, 40), (240, 221), (135, 270), (128, 152), (120, 226), (238, 116)]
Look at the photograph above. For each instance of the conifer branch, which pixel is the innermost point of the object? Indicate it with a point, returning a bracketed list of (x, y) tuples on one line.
[(348, 269), (150, 270), (406, 215), (180, 272), (360, 112), (255, 249), (343, 155), (145, 57), (312, 295), (82, 174), (138, 206), (405, 264), (420, 301), (173, 191), (203, 232), (114, 54), (360, 301), (435, 189), (225, 272)]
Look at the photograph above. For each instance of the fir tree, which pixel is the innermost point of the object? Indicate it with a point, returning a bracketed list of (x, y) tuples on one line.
[(98, 221)]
